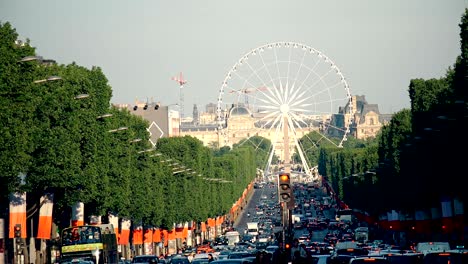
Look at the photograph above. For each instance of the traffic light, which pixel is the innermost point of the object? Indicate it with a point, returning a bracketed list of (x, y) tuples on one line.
[(285, 191), (17, 230)]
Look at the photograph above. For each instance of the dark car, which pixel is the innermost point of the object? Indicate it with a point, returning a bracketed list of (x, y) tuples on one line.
[(240, 255), (369, 260), (145, 259), (232, 261), (179, 259), (445, 257)]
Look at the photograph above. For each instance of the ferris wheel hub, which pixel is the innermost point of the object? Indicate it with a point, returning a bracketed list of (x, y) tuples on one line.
[(284, 108)]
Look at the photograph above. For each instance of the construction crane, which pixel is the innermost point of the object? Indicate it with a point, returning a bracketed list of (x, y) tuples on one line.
[(246, 91), (180, 79)]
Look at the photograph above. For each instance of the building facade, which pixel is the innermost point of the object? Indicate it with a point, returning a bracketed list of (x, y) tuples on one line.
[(367, 119), (365, 122)]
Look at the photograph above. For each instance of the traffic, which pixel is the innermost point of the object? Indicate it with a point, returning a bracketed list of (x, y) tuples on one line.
[(318, 232)]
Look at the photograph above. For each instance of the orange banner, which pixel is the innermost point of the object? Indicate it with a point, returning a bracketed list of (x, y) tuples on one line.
[(157, 235), (211, 222), (138, 236), (17, 213), (124, 237), (45, 216), (171, 235), (148, 237), (166, 237)]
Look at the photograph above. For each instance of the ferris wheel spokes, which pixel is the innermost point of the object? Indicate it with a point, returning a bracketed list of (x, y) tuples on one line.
[(303, 89)]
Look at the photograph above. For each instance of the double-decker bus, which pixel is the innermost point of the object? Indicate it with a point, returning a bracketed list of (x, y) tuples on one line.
[(89, 244)]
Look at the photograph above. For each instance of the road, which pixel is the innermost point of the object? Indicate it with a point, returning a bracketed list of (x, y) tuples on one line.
[(267, 191)]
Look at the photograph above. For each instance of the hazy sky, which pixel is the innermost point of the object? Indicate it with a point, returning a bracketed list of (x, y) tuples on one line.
[(379, 45)]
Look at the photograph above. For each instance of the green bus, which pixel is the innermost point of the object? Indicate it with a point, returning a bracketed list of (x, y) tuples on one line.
[(89, 244)]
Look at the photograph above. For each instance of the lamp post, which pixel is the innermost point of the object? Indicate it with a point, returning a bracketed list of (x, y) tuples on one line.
[(31, 58), (49, 79), (118, 129), (81, 96)]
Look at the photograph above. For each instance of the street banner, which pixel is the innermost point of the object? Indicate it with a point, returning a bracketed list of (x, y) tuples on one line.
[(157, 235), (422, 220), (447, 214), (45, 216), (394, 220), (78, 214), (114, 220), (17, 213), (148, 241), (138, 235), (124, 237)]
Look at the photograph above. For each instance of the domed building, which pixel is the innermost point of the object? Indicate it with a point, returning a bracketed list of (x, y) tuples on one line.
[(241, 123)]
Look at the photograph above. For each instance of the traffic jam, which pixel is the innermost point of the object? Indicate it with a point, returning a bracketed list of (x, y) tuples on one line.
[(317, 231)]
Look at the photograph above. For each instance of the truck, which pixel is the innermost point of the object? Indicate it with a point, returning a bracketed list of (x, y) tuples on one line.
[(233, 237), (252, 228), (361, 234)]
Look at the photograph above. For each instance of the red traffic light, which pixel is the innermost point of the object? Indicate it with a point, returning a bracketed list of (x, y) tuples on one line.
[(17, 230)]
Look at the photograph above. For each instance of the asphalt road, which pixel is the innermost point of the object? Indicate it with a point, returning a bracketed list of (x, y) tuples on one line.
[(241, 222)]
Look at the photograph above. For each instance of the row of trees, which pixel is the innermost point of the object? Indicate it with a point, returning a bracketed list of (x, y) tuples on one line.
[(61, 144), (418, 158), (61, 135)]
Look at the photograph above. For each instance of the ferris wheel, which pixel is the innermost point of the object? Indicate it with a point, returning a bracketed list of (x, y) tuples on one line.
[(284, 88)]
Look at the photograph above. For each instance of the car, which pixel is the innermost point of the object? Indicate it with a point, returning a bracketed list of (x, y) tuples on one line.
[(232, 261), (321, 259), (223, 254), (144, 259), (179, 259), (445, 257), (239, 254), (200, 261), (271, 249), (369, 260)]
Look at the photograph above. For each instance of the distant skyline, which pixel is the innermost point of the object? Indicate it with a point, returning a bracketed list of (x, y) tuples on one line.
[(379, 45)]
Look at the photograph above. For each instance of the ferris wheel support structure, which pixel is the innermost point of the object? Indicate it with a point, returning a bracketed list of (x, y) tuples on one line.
[(290, 91)]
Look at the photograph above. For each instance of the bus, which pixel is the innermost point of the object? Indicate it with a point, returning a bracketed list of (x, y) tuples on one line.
[(89, 244)]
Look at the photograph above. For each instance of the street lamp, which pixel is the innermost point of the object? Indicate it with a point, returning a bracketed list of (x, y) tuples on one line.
[(117, 129), (135, 140), (49, 79), (81, 96), (30, 58), (104, 116), (146, 150)]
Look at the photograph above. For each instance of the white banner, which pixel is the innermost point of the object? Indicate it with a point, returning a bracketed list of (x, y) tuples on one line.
[(446, 206), (126, 224), (114, 220), (78, 214)]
